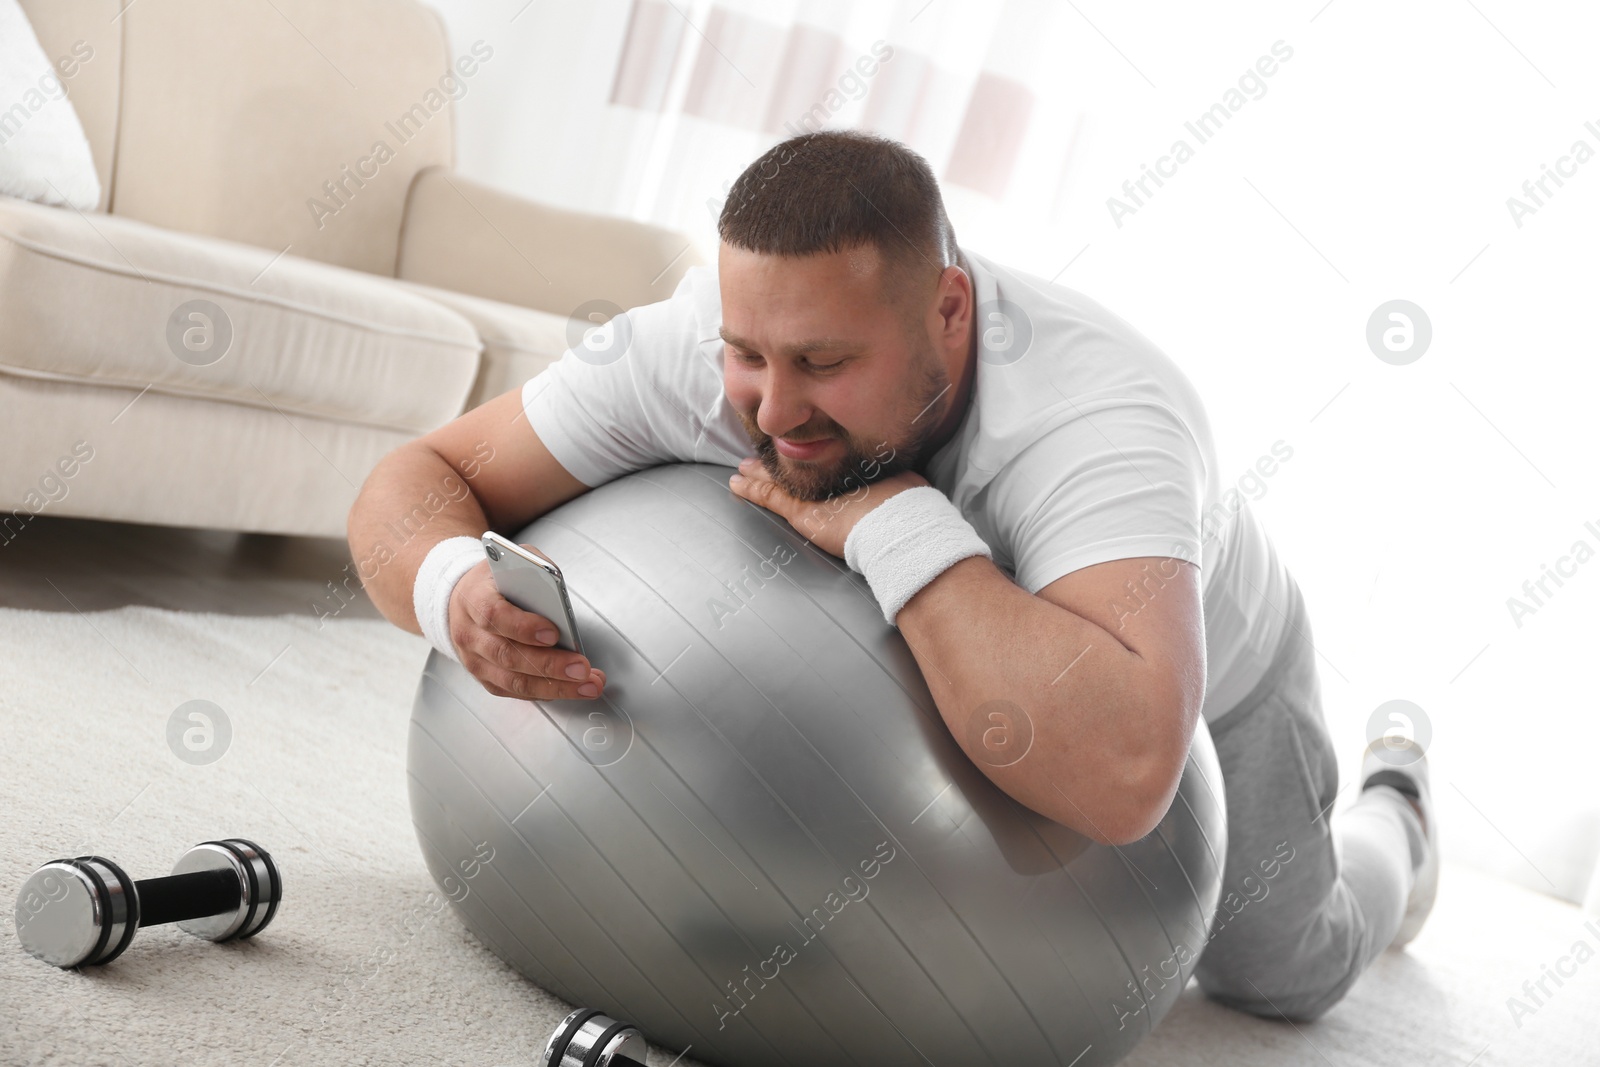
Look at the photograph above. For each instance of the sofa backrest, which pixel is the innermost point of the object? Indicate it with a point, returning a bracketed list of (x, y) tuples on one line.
[(293, 124)]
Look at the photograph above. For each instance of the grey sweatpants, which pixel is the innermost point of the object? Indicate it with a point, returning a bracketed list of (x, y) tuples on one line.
[(1308, 901)]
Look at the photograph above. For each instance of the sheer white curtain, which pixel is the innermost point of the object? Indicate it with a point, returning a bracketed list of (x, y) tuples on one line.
[(653, 107), (1362, 170)]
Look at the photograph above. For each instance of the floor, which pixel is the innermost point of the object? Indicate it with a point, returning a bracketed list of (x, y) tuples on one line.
[(109, 629)]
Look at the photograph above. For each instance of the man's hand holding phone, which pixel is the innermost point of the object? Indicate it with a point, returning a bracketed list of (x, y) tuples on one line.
[(513, 652)]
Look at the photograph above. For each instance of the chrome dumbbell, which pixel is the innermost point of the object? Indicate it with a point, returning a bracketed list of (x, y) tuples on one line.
[(84, 911), (588, 1038)]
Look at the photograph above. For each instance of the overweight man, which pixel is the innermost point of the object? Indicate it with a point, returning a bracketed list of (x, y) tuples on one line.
[(1030, 489)]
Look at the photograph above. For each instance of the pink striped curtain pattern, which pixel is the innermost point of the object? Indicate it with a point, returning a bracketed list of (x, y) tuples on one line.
[(746, 71)]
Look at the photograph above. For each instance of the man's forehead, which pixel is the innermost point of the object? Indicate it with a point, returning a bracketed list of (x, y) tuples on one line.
[(858, 261)]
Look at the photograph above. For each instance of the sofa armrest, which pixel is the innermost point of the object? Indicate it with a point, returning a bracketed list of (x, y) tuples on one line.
[(471, 238)]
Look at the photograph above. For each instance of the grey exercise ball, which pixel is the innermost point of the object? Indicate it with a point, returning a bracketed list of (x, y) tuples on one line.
[(762, 843)]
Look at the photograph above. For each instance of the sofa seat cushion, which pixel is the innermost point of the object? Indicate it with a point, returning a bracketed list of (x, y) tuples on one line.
[(114, 302), (518, 342)]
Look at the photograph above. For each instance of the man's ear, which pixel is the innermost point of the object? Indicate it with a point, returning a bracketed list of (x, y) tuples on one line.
[(955, 305)]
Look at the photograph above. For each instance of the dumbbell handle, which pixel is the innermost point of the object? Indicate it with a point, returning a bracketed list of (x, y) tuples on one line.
[(179, 897)]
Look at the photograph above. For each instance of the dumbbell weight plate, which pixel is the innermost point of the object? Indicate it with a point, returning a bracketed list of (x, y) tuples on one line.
[(77, 911), (588, 1038), (260, 888)]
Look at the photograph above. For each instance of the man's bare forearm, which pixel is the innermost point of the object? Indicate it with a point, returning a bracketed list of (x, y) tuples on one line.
[(1046, 703), (412, 500)]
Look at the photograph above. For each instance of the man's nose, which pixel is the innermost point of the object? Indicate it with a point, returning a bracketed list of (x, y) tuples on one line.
[(784, 408)]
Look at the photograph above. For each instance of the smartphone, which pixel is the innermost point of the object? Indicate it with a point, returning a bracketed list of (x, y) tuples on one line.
[(534, 584)]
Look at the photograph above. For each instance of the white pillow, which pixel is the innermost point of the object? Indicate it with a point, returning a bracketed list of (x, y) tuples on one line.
[(44, 155)]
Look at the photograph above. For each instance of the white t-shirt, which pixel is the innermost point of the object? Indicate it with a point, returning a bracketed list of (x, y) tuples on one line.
[(1082, 443)]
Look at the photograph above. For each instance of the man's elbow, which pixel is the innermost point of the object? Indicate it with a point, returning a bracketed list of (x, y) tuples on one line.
[(1127, 826), (1137, 807)]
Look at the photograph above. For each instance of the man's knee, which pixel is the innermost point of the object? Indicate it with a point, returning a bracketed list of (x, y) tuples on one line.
[(1274, 996)]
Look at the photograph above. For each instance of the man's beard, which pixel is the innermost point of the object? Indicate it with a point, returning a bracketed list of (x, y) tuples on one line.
[(864, 462)]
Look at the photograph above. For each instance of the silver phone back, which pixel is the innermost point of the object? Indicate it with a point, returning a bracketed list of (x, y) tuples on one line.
[(532, 588)]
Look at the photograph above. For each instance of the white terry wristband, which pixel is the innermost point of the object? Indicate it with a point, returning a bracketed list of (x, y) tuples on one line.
[(908, 541), (441, 569)]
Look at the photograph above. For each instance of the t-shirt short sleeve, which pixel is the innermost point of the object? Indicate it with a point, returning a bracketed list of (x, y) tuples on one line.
[(1124, 480), (623, 399)]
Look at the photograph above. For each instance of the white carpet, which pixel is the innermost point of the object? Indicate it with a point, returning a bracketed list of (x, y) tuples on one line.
[(363, 964)]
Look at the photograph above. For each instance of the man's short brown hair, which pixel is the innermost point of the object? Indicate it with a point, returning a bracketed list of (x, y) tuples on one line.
[(840, 189)]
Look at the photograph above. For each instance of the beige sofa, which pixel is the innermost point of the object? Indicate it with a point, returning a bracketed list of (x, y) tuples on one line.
[(267, 301)]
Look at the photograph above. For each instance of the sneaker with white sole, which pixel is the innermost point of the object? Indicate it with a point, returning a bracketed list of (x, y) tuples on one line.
[(1401, 763)]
